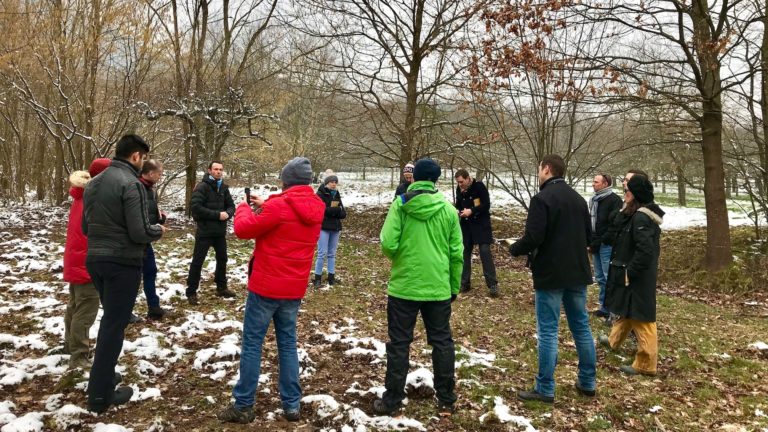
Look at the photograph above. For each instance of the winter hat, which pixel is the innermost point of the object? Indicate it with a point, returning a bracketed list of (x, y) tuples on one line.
[(408, 168), (426, 169), (641, 188), (79, 178), (98, 165), (298, 171), (330, 178)]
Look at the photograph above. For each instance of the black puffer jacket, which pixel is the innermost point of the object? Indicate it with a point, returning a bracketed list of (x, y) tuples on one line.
[(606, 212), (207, 202), (115, 218), (635, 259), (475, 229), (334, 209), (402, 188), (557, 232)]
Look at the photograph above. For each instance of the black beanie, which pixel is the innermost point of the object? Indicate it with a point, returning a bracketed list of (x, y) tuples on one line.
[(641, 188), (426, 169)]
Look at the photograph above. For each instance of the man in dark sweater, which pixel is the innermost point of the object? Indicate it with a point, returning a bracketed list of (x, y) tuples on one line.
[(116, 223), (474, 204), (557, 233), (603, 207), (211, 207)]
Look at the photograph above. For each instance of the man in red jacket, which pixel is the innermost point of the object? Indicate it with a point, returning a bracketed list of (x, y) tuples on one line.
[(83, 298), (286, 228)]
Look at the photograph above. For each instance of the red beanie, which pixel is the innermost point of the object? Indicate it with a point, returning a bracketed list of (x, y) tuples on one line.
[(98, 165)]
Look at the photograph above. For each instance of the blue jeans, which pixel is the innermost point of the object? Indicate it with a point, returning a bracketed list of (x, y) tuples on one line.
[(574, 301), (259, 311), (602, 261), (149, 269), (326, 247)]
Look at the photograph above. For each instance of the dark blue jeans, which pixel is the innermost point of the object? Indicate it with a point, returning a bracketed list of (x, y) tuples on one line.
[(149, 270), (574, 301), (601, 263), (259, 311)]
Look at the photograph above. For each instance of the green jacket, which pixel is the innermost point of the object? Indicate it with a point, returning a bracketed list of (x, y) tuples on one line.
[(423, 239)]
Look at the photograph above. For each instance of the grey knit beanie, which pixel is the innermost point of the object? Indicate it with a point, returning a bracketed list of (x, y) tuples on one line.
[(298, 171)]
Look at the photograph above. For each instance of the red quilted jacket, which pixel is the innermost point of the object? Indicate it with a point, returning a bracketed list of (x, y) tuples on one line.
[(76, 247), (286, 229)]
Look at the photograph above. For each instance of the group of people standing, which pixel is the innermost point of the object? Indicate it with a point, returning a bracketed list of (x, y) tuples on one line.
[(428, 240)]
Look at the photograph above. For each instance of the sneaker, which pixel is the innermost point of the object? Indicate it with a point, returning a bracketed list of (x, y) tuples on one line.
[(533, 395), (584, 392), (193, 300), (225, 293), (494, 291), (134, 319), (234, 415), (156, 313), (292, 414), (445, 409), (120, 396), (382, 409)]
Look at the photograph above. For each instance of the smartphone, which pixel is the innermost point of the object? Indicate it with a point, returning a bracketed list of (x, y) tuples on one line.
[(248, 195)]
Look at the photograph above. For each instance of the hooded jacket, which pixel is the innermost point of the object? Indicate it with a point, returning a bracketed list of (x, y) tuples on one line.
[(334, 208), (635, 259), (76, 246), (286, 228), (207, 202), (115, 216), (422, 237)]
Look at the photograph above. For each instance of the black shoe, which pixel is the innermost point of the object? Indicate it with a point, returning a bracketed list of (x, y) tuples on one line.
[(583, 391), (224, 292), (292, 415), (494, 291), (533, 395), (317, 281), (465, 288), (332, 279), (234, 415), (445, 409), (381, 408), (117, 379), (601, 313), (134, 319), (156, 313), (120, 396), (193, 300)]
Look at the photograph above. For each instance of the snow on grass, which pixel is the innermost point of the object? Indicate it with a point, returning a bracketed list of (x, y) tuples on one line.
[(30, 422), (759, 346), (33, 341), (197, 323), (359, 418), (14, 372), (466, 358), (327, 405), (502, 413), (6, 416), (69, 415), (421, 377), (228, 347), (148, 347), (101, 427)]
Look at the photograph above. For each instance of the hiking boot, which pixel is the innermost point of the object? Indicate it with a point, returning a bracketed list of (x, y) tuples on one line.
[(494, 291), (193, 300), (629, 370), (156, 313), (382, 409), (533, 395), (225, 293), (120, 396), (465, 288), (234, 415), (332, 279), (292, 415), (444, 408), (584, 392), (134, 319), (317, 281)]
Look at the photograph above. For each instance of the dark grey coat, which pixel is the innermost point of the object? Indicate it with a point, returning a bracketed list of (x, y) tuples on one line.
[(115, 218), (635, 257)]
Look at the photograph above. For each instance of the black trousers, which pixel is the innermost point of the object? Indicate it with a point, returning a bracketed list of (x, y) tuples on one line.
[(202, 245), (117, 285), (401, 319), (489, 269)]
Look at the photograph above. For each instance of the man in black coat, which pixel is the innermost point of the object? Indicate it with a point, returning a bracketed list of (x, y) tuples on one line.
[(557, 233), (211, 206), (474, 205), (116, 222), (603, 207)]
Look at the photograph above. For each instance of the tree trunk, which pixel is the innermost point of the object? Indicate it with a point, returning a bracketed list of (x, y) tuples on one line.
[(681, 200), (718, 253)]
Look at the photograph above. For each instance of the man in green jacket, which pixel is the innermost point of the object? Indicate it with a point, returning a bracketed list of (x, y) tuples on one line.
[(422, 237)]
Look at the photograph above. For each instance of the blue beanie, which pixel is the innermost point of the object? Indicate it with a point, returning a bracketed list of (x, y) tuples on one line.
[(426, 169)]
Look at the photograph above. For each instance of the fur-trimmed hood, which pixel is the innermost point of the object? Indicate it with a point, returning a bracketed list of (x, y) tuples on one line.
[(79, 178), (654, 212)]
